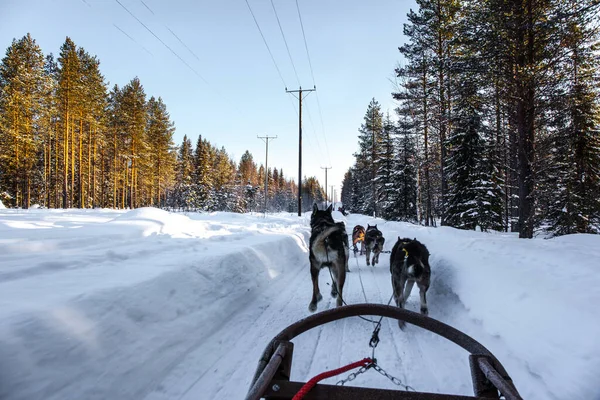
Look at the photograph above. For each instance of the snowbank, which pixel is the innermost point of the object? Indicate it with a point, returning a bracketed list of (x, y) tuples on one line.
[(533, 303), (122, 307), (153, 305)]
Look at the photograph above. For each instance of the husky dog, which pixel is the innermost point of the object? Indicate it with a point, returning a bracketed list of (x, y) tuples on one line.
[(409, 263), (374, 241), (358, 235), (328, 249)]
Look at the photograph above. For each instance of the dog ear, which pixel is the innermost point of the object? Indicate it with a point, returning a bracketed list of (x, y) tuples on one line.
[(315, 208), (330, 208)]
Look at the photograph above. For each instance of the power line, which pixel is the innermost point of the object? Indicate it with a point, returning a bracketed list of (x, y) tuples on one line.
[(305, 45), (285, 41), (265, 41), (122, 31), (146, 5), (172, 33), (164, 44), (323, 128), (132, 39), (314, 131), (184, 45), (313, 78)]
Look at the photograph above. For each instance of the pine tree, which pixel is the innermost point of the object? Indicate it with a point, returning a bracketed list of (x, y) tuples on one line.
[(247, 169), (49, 128), (417, 94), (69, 90), (22, 94), (91, 109), (161, 153), (133, 110), (112, 191)]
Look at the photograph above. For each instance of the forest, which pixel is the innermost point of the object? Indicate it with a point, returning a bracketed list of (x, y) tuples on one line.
[(496, 124), (67, 140)]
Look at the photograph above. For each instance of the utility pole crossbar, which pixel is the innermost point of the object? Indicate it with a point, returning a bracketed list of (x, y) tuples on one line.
[(266, 140), (299, 97)]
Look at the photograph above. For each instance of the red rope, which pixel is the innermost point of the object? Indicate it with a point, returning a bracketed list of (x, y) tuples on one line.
[(328, 374)]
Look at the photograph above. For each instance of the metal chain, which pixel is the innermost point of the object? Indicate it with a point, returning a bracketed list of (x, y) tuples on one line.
[(353, 375), (344, 301), (394, 380), (372, 343)]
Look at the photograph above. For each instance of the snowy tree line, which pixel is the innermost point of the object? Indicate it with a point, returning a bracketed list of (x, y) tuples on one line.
[(497, 120), (66, 140)]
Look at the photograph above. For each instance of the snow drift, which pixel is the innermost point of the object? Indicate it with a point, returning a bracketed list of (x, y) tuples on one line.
[(153, 305)]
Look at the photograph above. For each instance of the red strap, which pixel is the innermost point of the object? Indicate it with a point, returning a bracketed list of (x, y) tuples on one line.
[(328, 374)]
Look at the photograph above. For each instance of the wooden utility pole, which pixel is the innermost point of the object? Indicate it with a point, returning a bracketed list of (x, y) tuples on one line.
[(332, 197), (299, 97), (266, 140), (326, 168)]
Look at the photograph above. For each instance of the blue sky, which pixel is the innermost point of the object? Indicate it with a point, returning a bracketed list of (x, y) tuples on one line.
[(234, 91)]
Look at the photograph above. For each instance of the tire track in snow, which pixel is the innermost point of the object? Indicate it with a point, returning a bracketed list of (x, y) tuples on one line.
[(377, 282), (173, 379), (392, 325), (429, 354), (330, 351), (257, 322)]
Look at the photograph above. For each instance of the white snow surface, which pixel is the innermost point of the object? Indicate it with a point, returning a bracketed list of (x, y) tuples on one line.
[(146, 304)]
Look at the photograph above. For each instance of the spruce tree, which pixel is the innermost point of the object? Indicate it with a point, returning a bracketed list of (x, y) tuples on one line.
[(403, 201), (367, 159)]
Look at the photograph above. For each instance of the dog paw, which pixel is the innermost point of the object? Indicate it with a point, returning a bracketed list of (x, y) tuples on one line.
[(424, 311), (401, 324), (333, 293), (312, 307), (319, 298)]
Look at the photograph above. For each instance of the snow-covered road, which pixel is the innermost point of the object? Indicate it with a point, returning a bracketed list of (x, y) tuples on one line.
[(150, 305)]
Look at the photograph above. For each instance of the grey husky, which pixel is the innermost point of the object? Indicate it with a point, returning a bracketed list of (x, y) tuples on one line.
[(328, 249), (409, 263), (374, 241)]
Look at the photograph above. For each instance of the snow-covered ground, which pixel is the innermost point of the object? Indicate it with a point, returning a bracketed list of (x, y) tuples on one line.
[(144, 304)]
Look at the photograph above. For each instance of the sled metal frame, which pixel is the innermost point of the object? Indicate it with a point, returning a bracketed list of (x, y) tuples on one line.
[(272, 377)]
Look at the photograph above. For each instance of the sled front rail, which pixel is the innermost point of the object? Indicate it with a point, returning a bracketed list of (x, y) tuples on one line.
[(272, 377)]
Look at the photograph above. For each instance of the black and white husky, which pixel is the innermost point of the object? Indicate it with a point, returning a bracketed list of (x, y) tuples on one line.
[(328, 249), (374, 241), (409, 263)]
